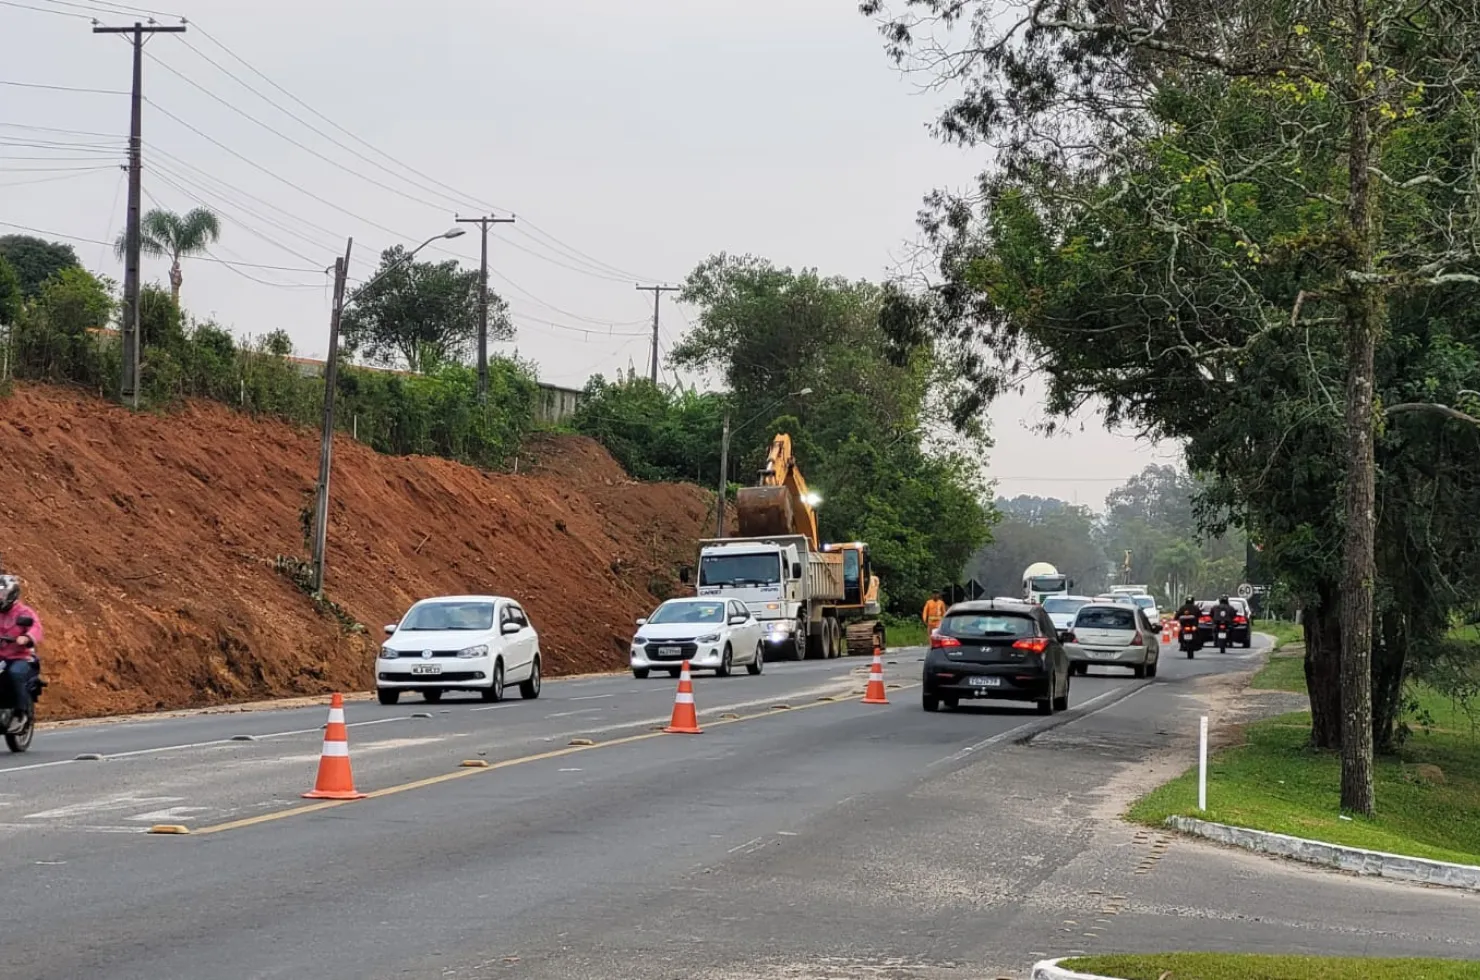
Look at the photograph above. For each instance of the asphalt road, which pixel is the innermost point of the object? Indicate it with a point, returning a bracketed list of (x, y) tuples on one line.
[(828, 839)]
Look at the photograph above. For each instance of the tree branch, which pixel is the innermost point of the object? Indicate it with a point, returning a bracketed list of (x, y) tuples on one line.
[(1444, 410)]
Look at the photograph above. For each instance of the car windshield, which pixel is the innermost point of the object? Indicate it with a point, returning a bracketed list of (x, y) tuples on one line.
[(1145, 601), (967, 625), (688, 612), (1048, 583), (1063, 607), (1106, 618), (738, 570), (449, 616)]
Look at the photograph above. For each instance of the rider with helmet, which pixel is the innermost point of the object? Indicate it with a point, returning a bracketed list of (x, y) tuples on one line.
[(17, 645)]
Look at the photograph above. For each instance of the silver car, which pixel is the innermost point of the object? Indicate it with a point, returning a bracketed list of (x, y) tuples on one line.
[(1113, 634)]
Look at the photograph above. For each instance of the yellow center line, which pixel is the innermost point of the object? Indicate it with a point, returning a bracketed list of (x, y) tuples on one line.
[(448, 777)]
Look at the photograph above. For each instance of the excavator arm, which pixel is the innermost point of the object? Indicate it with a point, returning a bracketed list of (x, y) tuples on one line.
[(778, 503)]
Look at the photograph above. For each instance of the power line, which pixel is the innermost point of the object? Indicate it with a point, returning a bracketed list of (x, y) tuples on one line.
[(47, 180), (62, 88), (42, 10)]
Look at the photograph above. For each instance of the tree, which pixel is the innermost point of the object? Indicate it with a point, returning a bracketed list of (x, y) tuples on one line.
[(10, 293), (36, 260), (1357, 116), (1039, 529), (656, 433), (165, 234), (423, 313)]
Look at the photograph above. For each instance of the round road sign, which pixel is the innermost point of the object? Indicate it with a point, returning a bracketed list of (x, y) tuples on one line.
[(1245, 591)]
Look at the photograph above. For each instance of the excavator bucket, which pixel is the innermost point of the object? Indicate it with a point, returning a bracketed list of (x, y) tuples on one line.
[(764, 511)]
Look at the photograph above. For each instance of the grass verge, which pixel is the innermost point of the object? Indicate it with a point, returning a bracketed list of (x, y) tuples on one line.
[(906, 633), (1238, 966), (1428, 795), (1282, 631)]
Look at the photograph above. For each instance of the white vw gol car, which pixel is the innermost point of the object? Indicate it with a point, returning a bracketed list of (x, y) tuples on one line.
[(459, 643), (711, 634)]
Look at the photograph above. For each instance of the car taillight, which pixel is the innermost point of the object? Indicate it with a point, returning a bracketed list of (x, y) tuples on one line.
[(1240, 619), (1138, 639), (938, 642), (1205, 619), (1035, 644)]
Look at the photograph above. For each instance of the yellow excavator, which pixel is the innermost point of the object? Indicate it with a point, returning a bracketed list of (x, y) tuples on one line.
[(827, 598)]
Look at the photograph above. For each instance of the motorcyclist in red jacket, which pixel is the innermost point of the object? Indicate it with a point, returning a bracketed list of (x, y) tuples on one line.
[(18, 646)]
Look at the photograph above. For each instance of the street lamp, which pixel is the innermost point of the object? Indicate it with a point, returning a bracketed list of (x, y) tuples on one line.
[(724, 455), (331, 375)]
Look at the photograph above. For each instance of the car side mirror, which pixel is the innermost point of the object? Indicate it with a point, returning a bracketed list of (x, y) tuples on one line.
[(25, 622), (1071, 584), (390, 629), (739, 620), (684, 574), (796, 569), (508, 629), (642, 622)]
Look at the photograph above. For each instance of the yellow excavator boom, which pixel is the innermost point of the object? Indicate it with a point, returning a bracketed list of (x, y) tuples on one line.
[(778, 503)]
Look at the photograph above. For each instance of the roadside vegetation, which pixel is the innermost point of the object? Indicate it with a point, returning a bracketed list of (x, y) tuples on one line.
[(1275, 780), (1283, 631), (1239, 966)]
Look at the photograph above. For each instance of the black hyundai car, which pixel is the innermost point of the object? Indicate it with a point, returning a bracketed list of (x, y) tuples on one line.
[(996, 649)]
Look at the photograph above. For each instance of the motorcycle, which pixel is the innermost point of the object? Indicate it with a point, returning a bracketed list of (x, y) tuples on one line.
[(1221, 637), (19, 727), (1187, 633)]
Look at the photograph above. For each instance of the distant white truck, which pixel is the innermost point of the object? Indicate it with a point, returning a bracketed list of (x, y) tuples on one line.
[(1041, 580)]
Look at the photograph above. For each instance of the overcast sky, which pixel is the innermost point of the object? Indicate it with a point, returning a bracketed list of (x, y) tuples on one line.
[(630, 139)]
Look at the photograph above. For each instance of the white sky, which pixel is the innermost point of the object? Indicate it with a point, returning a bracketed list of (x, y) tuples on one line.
[(631, 139)]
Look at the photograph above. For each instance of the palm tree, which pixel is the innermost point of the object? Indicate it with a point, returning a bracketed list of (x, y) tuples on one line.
[(167, 234)]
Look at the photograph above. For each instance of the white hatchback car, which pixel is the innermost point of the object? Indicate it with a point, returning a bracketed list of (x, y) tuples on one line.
[(1113, 633), (459, 643), (711, 634)]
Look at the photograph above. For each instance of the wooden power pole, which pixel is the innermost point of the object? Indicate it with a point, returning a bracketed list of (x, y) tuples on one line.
[(483, 224), (724, 476), (129, 384), (657, 291), (326, 434)]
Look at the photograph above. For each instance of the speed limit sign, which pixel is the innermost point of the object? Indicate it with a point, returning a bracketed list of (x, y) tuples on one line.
[(1245, 591)]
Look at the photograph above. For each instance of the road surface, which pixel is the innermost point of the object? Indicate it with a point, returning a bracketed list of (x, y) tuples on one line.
[(826, 839)]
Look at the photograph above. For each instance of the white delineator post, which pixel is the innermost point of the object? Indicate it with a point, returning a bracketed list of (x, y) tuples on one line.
[(1202, 763)]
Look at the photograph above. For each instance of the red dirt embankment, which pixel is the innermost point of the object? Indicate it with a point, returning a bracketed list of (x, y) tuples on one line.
[(147, 544)]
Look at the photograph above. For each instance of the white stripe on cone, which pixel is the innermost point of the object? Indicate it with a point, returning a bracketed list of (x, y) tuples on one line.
[(336, 749), (336, 714), (684, 697)]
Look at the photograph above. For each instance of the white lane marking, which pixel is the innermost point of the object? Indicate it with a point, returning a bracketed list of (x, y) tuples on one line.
[(572, 714), (197, 745), (572, 770), (170, 813), (1004, 736), (494, 707), (102, 806), (83, 829), (747, 845), (362, 748), (593, 697)]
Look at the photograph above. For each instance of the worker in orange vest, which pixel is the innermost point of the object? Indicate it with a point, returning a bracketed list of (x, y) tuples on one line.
[(934, 611)]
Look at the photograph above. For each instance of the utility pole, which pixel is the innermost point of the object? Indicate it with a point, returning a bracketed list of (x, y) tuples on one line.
[(724, 475), (657, 291), (129, 385), (483, 224), (326, 436)]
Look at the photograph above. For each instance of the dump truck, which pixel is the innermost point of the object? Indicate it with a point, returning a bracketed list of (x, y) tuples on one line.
[(816, 600)]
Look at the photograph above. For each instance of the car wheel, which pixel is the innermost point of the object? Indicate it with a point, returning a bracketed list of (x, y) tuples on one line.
[(1139, 671), (495, 691), (723, 670), (930, 702), (1046, 706), (1247, 643), (432, 696), (1061, 703), (759, 663), (951, 703), (387, 697), (1151, 670), (530, 689), (641, 673)]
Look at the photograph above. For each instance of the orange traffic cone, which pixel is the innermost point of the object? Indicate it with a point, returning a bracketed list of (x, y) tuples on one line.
[(335, 781), (874, 693), (685, 717)]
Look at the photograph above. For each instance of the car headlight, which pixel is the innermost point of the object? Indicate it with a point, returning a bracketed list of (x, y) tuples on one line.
[(468, 653), (388, 653), (639, 640), (710, 638)]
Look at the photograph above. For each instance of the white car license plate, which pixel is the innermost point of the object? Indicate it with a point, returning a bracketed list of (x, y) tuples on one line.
[(427, 669), (985, 681), (670, 651)]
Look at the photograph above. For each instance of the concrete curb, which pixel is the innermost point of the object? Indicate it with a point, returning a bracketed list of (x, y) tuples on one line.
[(1353, 859), (1050, 970)]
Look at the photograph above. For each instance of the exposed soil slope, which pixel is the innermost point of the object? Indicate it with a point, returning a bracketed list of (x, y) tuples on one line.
[(147, 543)]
